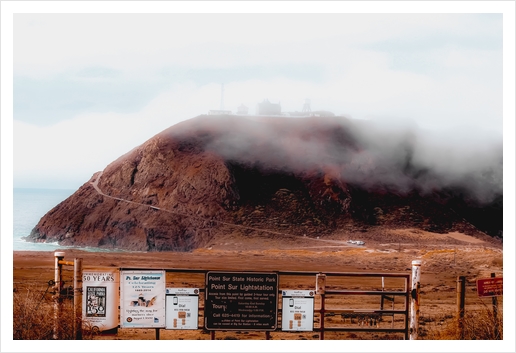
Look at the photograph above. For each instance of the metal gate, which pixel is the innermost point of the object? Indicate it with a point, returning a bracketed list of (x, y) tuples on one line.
[(362, 305), (343, 302)]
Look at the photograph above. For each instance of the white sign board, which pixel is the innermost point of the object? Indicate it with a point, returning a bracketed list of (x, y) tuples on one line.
[(100, 299), (298, 310), (182, 308), (142, 299)]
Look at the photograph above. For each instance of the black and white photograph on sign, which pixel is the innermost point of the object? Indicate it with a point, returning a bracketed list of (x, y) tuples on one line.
[(96, 301), (277, 146)]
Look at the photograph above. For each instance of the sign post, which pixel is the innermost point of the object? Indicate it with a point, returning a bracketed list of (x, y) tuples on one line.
[(491, 287), (77, 298), (461, 302), (320, 289), (495, 312), (58, 283), (241, 301), (414, 300)]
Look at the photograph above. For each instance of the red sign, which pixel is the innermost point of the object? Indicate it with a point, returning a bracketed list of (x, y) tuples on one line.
[(490, 287)]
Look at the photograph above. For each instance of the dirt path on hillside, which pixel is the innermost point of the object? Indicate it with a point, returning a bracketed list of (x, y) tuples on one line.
[(232, 226)]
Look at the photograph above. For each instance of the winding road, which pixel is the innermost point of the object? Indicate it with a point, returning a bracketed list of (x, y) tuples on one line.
[(100, 192)]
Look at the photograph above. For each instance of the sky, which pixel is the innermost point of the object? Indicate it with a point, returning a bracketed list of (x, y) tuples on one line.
[(90, 82), (88, 88)]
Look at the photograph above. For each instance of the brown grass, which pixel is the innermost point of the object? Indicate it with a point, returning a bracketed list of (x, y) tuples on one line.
[(33, 315), (33, 319), (441, 267), (478, 325)]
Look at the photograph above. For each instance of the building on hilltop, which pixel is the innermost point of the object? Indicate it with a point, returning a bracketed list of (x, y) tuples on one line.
[(306, 107), (307, 111), (268, 108), (242, 109), (219, 112)]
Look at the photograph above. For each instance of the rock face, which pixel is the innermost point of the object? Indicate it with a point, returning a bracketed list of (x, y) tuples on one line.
[(214, 174)]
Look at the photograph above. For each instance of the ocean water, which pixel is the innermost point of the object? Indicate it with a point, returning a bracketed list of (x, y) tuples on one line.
[(29, 206)]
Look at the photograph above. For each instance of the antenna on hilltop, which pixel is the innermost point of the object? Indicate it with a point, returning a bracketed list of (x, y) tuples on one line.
[(222, 97), (306, 106)]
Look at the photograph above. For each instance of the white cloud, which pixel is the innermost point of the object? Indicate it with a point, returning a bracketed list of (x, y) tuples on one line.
[(51, 43), (356, 77), (74, 149), (78, 147)]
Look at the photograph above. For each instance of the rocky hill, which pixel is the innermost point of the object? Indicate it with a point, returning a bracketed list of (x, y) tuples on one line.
[(215, 175)]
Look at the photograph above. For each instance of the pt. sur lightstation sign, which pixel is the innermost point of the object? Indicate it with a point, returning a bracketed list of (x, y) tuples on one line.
[(241, 301)]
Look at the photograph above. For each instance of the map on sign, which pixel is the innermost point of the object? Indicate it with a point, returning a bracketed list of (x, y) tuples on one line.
[(241, 301)]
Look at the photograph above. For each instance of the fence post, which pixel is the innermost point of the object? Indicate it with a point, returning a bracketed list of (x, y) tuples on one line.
[(461, 299), (495, 314), (77, 298), (58, 256), (320, 288), (382, 297), (414, 300)]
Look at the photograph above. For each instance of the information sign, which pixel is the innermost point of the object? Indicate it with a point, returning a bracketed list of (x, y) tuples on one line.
[(241, 301), (100, 299), (182, 308), (142, 302), (297, 310), (490, 287)]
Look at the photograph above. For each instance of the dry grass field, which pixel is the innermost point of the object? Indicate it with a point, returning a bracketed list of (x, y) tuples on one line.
[(443, 256)]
